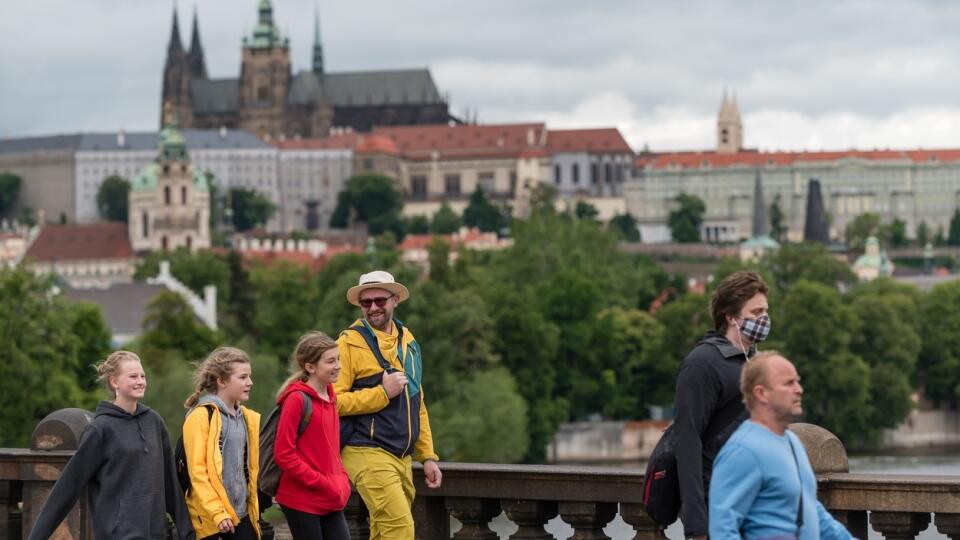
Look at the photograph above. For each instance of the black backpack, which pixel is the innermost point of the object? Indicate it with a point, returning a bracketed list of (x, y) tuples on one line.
[(661, 483), (180, 457), (269, 479)]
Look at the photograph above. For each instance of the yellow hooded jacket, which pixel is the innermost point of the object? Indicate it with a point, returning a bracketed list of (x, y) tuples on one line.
[(368, 418), (207, 499)]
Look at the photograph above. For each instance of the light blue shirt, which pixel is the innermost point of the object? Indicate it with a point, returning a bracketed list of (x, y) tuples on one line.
[(755, 490)]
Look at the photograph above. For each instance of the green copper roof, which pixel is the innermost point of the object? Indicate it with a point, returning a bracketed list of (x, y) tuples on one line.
[(764, 242), (146, 179), (265, 35)]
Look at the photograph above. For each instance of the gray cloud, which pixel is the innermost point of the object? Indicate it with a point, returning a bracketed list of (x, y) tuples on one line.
[(807, 74)]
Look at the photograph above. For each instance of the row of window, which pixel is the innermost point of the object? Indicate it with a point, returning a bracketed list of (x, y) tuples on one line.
[(611, 173), (452, 184)]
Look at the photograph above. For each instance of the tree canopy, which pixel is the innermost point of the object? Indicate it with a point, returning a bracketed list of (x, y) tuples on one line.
[(113, 199)]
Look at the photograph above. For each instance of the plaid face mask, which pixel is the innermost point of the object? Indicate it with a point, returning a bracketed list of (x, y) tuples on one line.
[(756, 330)]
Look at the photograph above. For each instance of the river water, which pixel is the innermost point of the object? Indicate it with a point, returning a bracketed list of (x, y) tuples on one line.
[(941, 465)]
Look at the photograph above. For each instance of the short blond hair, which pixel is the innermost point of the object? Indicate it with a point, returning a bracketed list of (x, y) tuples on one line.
[(110, 367), (754, 373)]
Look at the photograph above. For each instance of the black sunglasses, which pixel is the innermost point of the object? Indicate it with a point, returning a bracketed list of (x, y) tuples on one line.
[(382, 301)]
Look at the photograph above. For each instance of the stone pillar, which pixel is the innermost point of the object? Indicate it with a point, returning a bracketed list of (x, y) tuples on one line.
[(475, 514), (530, 517), (645, 528), (899, 525), (948, 524), (588, 518), (356, 515)]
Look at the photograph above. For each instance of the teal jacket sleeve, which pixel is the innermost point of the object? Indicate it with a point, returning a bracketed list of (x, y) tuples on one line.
[(736, 481)]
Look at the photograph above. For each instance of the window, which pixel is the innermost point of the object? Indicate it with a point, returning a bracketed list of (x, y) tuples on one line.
[(262, 93), (575, 172), (486, 182), (451, 184), (145, 223), (557, 174), (368, 164), (418, 187), (608, 170), (183, 195), (166, 195), (513, 183), (594, 173)]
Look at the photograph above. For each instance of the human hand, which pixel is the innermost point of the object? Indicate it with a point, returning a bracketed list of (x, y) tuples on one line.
[(394, 383), (226, 526), (431, 471)]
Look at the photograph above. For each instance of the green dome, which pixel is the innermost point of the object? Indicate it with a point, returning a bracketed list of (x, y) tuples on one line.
[(146, 180)]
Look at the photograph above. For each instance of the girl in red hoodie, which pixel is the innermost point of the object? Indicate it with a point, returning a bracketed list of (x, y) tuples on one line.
[(314, 487)]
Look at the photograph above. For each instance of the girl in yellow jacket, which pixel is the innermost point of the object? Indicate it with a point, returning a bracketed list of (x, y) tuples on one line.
[(221, 440)]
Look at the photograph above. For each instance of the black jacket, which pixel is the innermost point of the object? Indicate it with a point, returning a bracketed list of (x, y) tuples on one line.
[(126, 462), (708, 406)]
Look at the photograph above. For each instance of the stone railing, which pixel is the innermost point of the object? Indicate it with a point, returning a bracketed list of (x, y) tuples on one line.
[(588, 499)]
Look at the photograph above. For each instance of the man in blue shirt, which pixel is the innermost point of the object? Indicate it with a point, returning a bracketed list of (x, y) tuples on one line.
[(762, 473)]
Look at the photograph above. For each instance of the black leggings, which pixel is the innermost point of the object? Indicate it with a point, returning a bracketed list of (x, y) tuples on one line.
[(304, 526), (243, 531)]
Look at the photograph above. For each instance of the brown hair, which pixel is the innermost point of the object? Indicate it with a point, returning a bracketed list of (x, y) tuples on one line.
[(110, 367), (754, 374), (732, 293), (309, 349), (217, 366)]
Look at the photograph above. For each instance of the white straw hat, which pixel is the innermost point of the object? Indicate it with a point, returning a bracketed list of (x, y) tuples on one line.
[(378, 279)]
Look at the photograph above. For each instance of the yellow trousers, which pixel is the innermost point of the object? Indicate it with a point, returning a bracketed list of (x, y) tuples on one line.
[(385, 483)]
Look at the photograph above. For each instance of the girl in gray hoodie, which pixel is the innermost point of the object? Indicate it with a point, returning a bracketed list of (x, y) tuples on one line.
[(125, 463)]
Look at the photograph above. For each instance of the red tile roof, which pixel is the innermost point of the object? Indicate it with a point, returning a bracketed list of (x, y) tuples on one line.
[(302, 258), (376, 144), (96, 241), (753, 158), (465, 141), (601, 141)]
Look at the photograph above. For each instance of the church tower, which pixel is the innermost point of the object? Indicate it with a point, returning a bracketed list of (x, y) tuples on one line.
[(264, 76), (317, 46), (176, 76), (198, 66), (729, 127)]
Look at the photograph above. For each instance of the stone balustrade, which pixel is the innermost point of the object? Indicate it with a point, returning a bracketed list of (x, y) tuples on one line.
[(586, 498)]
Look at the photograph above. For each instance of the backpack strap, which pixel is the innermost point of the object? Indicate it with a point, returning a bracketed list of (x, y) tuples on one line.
[(307, 413), (374, 345)]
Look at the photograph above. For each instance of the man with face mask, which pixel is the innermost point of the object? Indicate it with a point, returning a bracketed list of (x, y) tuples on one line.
[(708, 404)]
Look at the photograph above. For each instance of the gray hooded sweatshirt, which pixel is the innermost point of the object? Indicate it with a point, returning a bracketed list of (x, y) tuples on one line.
[(233, 448), (126, 463)]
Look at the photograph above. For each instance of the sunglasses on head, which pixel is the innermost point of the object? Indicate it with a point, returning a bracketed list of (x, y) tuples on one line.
[(381, 301)]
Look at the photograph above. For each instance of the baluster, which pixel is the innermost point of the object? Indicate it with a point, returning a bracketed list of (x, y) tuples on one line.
[(530, 517), (899, 525), (854, 520), (356, 515), (645, 528), (475, 514), (588, 519), (11, 520), (948, 524)]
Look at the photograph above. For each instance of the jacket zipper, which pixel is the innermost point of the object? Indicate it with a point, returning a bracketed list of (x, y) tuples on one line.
[(372, 421), (406, 393)]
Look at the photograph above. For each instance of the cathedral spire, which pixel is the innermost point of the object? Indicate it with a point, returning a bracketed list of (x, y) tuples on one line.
[(198, 65), (317, 45), (175, 44)]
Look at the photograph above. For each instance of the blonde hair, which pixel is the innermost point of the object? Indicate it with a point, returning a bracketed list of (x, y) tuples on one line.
[(110, 367), (309, 349), (754, 374), (217, 366)]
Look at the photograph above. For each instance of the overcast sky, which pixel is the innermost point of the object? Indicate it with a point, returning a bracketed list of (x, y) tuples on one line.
[(808, 75)]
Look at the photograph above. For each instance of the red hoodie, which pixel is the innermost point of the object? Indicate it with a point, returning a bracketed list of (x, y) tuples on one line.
[(313, 480)]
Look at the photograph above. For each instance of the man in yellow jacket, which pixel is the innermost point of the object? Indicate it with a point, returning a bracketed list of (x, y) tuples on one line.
[(383, 415)]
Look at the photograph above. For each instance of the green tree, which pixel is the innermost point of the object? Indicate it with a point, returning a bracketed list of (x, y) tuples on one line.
[(439, 258), (777, 227), (172, 332), (483, 214), (9, 191), (45, 363), (625, 227), (372, 199), (684, 322), (241, 302), (250, 209), (816, 330), (286, 300), (195, 269), (807, 261), (863, 226), (543, 199), (939, 363), (585, 210), (418, 224), (923, 233), (113, 198), (685, 220), (445, 221), (898, 233), (27, 216), (953, 238), (484, 420)]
